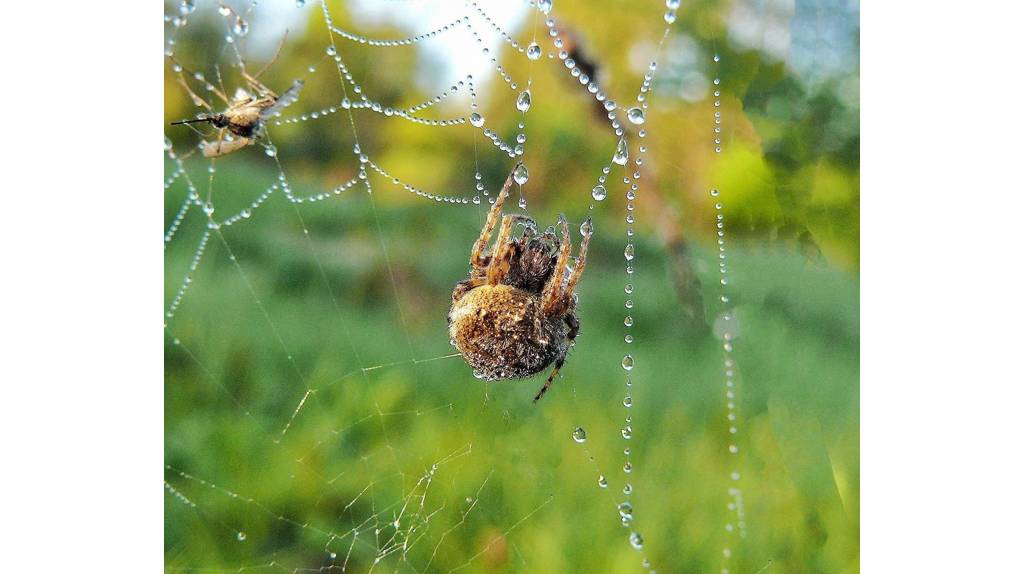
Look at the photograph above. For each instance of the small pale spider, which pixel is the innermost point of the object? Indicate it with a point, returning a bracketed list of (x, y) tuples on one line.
[(516, 314), (246, 112)]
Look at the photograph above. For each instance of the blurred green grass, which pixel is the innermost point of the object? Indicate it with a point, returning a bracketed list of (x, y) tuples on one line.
[(363, 439)]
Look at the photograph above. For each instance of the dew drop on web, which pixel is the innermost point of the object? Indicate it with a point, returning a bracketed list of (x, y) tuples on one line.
[(579, 435), (520, 175), (524, 101)]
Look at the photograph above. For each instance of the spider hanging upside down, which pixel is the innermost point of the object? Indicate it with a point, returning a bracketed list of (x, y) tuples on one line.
[(244, 118), (516, 314)]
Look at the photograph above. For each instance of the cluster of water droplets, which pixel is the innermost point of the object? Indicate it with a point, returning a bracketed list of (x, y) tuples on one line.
[(620, 156), (670, 11), (502, 33), (238, 26), (637, 116), (502, 72), (187, 280), (726, 328), (402, 41)]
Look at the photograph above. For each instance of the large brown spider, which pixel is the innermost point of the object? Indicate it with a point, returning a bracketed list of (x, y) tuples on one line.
[(515, 315)]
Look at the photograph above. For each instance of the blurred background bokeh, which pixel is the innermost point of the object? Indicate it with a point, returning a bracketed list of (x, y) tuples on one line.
[(314, 416)]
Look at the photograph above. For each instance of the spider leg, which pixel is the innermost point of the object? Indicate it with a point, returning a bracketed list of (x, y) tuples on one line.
[(574, 330), (552, 291), (477, 259), (554, 373), (465, 286), (565, 300), (501, 263)]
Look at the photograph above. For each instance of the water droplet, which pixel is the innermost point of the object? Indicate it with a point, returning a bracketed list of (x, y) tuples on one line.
[(587, 228), (476, 119), (672, 4), (636, 116), (636, 540), (717, 58), (627, 362), (621, 152), (346, 103), (627, 402), (271, 151), (628, 321), (628, 489), (627, 432), (331, 50), (333, 555), (167, 143), (523, 101), (240, 536), (599, 193), (670, 16), (300, 3), (224, 10), (627, 468), (628, 252), (241, 27), (544, 6), (187, 7), (602, 481), (579, 435), (520, 174), (533, 51), (626, 510)]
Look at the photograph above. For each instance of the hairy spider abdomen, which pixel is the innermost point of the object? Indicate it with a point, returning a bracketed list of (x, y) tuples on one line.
[(502, 332)]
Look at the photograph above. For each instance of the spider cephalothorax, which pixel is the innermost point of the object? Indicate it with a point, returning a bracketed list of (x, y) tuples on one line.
[(515, 315)]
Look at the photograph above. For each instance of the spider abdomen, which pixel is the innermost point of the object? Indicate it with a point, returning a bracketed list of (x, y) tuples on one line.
[(502, 332)]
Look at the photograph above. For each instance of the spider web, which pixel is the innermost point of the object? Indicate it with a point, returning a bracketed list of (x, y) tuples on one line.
[(313, 421)]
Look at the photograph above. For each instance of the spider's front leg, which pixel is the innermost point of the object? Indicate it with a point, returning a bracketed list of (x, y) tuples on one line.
[(565, 300), (501, 263), (553, 289), (477, 259)]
